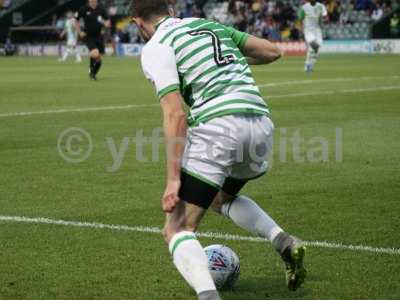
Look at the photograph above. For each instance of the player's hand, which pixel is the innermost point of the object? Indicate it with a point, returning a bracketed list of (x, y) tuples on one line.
[(82, 34), (107, 24), (171, 198)]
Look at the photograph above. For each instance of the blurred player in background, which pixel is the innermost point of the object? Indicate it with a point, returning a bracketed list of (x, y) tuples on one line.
[(72, 39), (312, 14), (95, 18)]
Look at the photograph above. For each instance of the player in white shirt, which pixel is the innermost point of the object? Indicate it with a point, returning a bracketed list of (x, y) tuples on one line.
[(221, 145), (72, 39), (312, 14)]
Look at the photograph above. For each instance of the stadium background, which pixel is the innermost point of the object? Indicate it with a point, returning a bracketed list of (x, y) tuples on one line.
[(91, 230), (34, 22)]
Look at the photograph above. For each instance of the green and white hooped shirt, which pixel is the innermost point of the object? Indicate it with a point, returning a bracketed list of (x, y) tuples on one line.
[(202, 60)]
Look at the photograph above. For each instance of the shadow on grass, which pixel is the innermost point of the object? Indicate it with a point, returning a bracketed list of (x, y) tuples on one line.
[(260, 288)]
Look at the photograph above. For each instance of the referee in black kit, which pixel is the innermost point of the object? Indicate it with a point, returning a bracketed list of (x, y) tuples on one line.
[(95, 18)]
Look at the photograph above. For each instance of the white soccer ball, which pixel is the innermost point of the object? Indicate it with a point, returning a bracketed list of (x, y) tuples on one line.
[(224, 265)]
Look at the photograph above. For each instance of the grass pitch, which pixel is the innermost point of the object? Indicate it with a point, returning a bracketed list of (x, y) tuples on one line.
[(348, 193)]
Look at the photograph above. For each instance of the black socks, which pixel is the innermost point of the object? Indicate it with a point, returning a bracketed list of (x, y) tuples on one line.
[(92, 62), (95, 66)]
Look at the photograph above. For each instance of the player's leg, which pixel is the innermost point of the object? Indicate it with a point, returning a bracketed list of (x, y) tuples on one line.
[(307, 65), (65, 53), (100, 47), (204, 169), (312, 51), (95, 58), (245, 213), (257, 144), (315, 45), (179, 233), (78, 57), (94, 53)]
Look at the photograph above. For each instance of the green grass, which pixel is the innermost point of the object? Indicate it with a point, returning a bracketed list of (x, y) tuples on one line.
[(355, 201)]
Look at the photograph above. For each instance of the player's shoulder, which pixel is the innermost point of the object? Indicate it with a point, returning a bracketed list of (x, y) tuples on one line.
[(154, 51), (322, 8), (161, 41), (173, 27)]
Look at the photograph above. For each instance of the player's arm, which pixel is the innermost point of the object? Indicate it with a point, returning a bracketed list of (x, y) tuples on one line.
[(175, 126), (78, 17), (159, 66), (106, 19), (257, 51), (301, 15), (325, 16), (62, 34), (260, 51)]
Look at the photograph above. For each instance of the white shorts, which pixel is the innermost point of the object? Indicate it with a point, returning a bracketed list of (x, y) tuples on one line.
[(72, 42), (236, 146), (314, 36)]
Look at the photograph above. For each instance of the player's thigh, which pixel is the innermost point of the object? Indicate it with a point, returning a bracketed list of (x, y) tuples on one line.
[(101, 46), (257, 146), (228, 193), (319, 39), (92, 45), (71, 43), (95, 53), (314, 39), (309, 37), (196, 190), (209, 153)]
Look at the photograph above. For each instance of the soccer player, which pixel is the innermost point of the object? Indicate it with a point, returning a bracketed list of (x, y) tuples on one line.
[(312, 14), (95, 18), (72, 38), (221, 145)]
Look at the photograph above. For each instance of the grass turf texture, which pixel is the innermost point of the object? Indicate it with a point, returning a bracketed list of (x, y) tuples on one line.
[(355, 201)]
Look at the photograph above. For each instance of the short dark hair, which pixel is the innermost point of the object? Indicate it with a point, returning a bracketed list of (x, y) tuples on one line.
[(146, 9)]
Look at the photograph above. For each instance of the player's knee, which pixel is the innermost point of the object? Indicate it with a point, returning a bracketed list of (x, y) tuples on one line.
[(220, 200), (95, 54), (217, 204), (314, 46)]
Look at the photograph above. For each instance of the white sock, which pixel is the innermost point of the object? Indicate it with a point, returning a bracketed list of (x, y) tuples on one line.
[(309, 54), (248, 215), (77, 54), (67, 52), (191, 261), (313, 57), (65, 55)]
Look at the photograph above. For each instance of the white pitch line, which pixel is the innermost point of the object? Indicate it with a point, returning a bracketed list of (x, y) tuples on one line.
[(333, 80), (126, 107), (67, 110), (211, 235), (348, 91)]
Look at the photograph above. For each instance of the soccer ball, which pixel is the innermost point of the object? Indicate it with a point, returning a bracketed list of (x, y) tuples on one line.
[(224, 265)]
